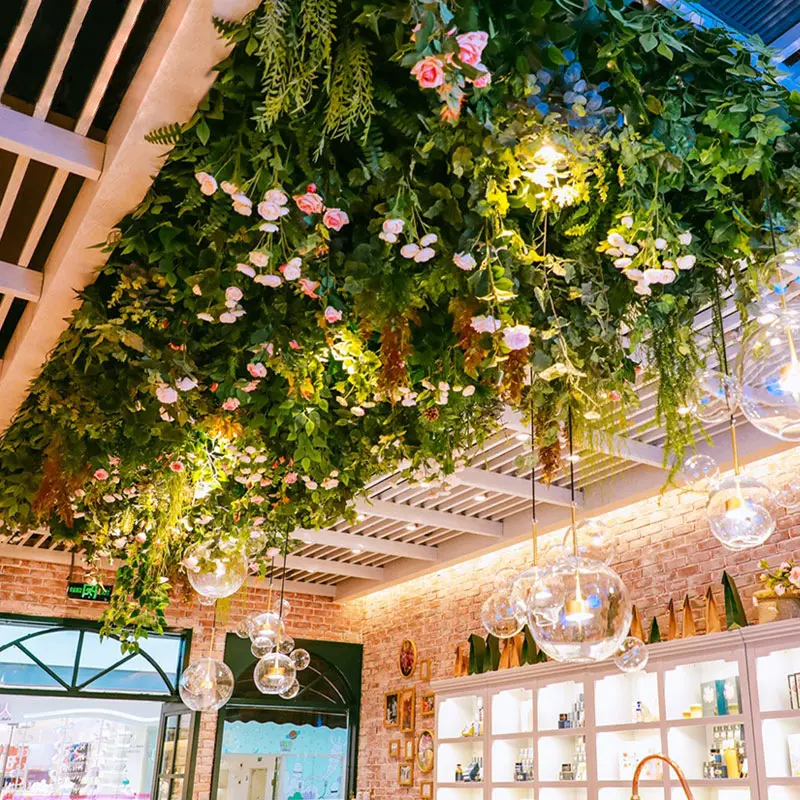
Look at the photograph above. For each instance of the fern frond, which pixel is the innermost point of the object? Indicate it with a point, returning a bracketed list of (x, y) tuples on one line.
[(350, 102), (372, 147), (217, 217), (167, 134)]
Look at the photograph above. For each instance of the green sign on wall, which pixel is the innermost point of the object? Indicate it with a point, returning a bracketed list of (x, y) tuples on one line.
[(89, 591)]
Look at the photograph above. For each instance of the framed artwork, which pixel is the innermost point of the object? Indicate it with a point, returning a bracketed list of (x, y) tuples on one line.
[(394, 748), (408, 658), (408, 753), (391, 709), (426, 790), (425, 751), (425, 669), (406, 713), (405, 774), (428, 704)]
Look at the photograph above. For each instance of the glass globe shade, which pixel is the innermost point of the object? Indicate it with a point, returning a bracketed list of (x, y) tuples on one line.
[(292, 691), (206, 685), (632, 655), (789, 496), (590, 614), (267, 627), (282, 608), (216, 575), (505, 577), (262, 648), (286, 644), (768, 371), (502, 614), (242, 630), (206, 601), (535, 595), (274, 673), (739, 512), (595, 541), (700, 472), (714, 398), (300, 658)]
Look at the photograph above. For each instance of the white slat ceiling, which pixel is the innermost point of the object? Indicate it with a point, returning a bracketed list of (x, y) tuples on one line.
[(63, 191)]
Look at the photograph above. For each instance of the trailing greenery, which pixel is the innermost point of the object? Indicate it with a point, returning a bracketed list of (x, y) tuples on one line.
[(384, 223)]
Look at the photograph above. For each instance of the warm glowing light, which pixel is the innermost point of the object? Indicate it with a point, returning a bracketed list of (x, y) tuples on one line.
[(789, 380), (548, 154), (480, 498), (360, 517), (577, 610), (411, 527)]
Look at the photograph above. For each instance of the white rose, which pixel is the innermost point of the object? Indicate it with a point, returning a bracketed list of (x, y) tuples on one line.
[(388, 236), (246, 269), (227, 318), (517, 337), (273, 281), (276, 196), (393, 225), (686, 262), (409, 250), (258, 259), (661, 244), (627, 221), (428, 240), (426, 254), (685, 238), (464, 261), (615, 240), (621, 263), (468, 391)]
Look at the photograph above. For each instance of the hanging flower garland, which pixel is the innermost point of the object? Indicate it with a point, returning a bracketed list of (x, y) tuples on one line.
[(380, 227)]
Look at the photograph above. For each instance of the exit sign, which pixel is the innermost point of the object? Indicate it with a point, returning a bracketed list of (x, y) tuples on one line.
[(89, 591)]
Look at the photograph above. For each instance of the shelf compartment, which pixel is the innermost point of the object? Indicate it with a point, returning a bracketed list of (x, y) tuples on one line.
[(459, 791), (506, 753), (781, 747), (516, 791), (623, 792), (618, 754), (455, 714), (555, 699), (459, 739), (690, 746), (450, 754), (772, 676), (552, 752), (512, 711), (708, 792), (615, 698), (714, 686)]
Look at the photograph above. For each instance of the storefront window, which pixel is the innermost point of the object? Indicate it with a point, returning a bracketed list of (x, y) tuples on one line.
[(301, 759)]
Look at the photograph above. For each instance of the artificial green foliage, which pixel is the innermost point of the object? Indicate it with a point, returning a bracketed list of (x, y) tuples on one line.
[(478, 655), (735, 616), (492, 653), (655, 632), (278, 370)]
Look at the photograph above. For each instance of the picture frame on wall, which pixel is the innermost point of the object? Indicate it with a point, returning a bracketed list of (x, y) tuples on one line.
[(406, 710), (426, 790), (407, 660), (394, 748), (425, 669), (425, 752), (405, 774), (391, 710), (427, 706), (409, 750)]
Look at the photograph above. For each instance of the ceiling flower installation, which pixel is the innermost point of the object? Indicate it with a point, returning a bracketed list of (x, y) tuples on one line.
[(383, 224)]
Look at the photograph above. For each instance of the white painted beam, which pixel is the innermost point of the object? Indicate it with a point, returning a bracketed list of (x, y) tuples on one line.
[(516, 487), (367, 544), (428, 516), (16, 281), (620, 446), (46, 556), (334, 567)]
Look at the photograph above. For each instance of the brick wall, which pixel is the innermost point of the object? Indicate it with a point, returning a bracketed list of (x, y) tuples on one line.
[(665, 550)]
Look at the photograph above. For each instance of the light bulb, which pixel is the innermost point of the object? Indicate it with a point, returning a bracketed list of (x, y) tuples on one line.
[(577, 610), (548, 154), (789, 378), (739, 511)]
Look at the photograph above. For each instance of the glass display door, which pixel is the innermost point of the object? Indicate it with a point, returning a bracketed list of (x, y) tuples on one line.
[(172, 779)]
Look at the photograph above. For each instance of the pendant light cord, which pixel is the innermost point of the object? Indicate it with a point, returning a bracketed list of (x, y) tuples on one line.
[(572, 483), (779, 287), (534, 532), (723, 357), (283, 575)]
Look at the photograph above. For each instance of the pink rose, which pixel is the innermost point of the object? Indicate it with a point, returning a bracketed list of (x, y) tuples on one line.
[(257, 370), (141, 537), (229, 188), (332, 315), (176, 466), (484, 324), (276, 196), (231, 404), (233, 294), (291, 270), (257, 499), (273, 281), (309, 203), (428, 72), (517, 337), (393, 225), (273, 552), (464, 261), (100, 474), (471, 46), (794, 576), (208, 184), (307, 287), (482, 81), (242, 204), (335, 219), (293, 344), (258, 259), (166, 394), (250, 387), (271, 211), (291, 477)]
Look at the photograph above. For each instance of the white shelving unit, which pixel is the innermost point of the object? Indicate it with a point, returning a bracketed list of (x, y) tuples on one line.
[(520, 708)]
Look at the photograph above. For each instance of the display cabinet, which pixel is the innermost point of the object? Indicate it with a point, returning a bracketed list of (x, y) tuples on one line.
[(724, 706)]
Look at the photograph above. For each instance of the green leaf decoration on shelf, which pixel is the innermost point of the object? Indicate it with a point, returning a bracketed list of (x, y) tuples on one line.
[(492, 653), (477, 654), (655, 633), (735, 616)]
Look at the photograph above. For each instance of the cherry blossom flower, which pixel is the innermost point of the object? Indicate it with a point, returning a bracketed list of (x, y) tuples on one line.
[(517, 337), (429, 72), (197, 290), (257, 369), (176, 466), (246, 269), (100, 474), (290, 478), (166, 394), (273, 552), (273, 281), (426, 254), (271, 211), (471, 46), (335, 219), (186, 384), (332, 315), (229, 188), (307, 287), (465, 261), (409, 250), (291, 269), (208, 183), (258, 259), (484, 324), (231, 404), (205, 317), (309, 203), (242, 204), (393, 225)]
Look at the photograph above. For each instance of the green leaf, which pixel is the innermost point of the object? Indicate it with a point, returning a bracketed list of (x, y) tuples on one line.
[(653, 104), (555, 56), (735, 616), (665, 51), (648, 41), (203, 132)]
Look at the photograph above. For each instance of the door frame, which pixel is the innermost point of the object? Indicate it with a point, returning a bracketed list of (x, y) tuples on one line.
[(169, 710)]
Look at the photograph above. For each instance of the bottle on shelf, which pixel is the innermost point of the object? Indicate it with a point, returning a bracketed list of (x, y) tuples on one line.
[(459, 774)]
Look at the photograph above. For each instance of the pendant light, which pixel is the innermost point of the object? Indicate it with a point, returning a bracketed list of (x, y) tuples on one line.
[(590, 613), (768, 366), (738, 507)]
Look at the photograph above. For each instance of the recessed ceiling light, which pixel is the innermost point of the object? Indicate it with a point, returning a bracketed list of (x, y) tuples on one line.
[(360, 517), (356, 550), (411, 527), (522, 437), (574, 458), (480, 498)]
